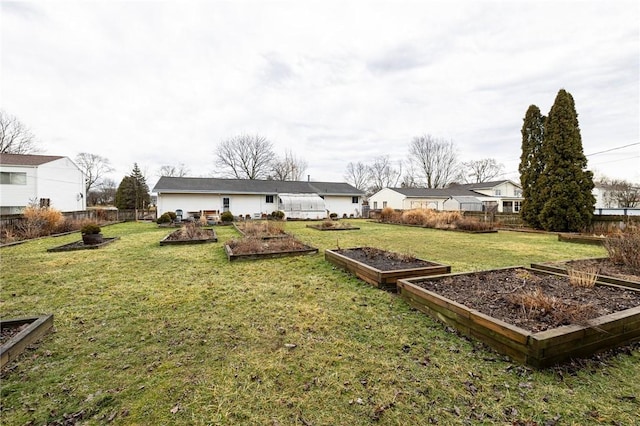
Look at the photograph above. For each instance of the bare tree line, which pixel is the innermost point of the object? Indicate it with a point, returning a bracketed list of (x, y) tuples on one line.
[(432, 163)]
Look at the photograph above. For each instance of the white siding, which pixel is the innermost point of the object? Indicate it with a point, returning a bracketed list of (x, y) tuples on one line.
[(392, 199), (239, 205), (63, 183), (424, 203), (60, 181), (343, 205)]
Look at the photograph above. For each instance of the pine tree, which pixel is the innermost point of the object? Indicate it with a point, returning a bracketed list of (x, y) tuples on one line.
[(531, 165), (565, 185), (133, 192)]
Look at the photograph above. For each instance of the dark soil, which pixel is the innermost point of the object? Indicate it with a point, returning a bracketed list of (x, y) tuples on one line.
[(197, 234), (384, 260), (80, 245), (7, 333), (500, 294), (605, 267)]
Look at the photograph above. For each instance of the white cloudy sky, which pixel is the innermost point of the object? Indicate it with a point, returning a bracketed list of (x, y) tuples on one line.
[(334, 81)]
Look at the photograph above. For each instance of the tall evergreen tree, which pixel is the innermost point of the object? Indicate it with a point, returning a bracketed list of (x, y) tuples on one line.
[(565, 185), (531, 165), (133, 191)]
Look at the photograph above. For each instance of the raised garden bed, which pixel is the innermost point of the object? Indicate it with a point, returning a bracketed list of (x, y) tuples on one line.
[(264, 229), (608, 272), (257, 248), (16, 334), (333, 226), (535, 317), (80, 245), (179, 238), (582, 239), (382, 268)]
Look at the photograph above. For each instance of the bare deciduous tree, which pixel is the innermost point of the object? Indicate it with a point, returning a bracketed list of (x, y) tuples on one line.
[(245, 157), (383, 174), (434, 159), (94, 167), (15, 137), (174, 171), (358, 175), (484, 170), (620, 193), (288, 167)]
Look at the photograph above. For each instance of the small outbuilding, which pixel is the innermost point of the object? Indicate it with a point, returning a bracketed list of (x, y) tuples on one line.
[(302, 206)]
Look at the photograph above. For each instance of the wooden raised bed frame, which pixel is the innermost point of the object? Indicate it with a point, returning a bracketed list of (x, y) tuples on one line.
[(268, 255), (562, 269), (212, 239), (385, 280), (76, 246), (539, 350), (13, 347), (582, 239)]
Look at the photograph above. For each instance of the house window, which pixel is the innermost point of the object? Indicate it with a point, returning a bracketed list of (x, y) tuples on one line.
[(354, 200), (497, 192), (225, 204), (375, 205), (269, 199), (384, 204), (45, 203), (516, 206), (13, 178)]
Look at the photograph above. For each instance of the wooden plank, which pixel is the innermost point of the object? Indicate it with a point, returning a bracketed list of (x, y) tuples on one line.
[(12, 348)]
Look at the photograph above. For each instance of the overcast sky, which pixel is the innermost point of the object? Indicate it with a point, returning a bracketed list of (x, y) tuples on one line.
[(334, 81)]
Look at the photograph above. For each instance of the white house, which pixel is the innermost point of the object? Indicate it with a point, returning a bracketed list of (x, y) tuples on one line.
[(45, 180), (242, 197), (501, 196)]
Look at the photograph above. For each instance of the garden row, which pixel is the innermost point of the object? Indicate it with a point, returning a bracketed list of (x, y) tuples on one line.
[(539, 315)]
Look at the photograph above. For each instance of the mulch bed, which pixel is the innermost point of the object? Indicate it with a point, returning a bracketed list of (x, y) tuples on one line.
[(384, 260), (80, 245), (493, 293)]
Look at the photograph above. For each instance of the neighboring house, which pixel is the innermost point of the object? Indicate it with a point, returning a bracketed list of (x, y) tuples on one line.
[(242, 197), (44, 180), (501, 196)]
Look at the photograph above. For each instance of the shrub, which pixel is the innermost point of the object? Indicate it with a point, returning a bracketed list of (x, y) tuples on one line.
[(39, 222), (90, 228), (333, 216), (472, 224), (415, 217), (226, 216), (164, 218), (278, 215), (624, 249), (387, 214), (172, 215)]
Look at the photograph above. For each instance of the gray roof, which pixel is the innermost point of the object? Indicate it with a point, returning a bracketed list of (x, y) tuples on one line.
[(191, 185), (434, 192), (482, 185), (27, 159)]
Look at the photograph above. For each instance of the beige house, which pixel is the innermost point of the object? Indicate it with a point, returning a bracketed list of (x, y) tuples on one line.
[(503, 196)]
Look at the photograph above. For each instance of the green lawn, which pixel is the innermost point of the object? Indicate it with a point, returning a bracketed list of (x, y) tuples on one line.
[(156, 335)]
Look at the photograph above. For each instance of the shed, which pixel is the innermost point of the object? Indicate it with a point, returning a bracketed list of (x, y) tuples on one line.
[(302, 206), (463, 203)]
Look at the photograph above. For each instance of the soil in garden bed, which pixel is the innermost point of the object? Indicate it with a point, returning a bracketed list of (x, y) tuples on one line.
[(7, 333), (531, 301), (605, 267), (384, 260), (197, 234), (260, 246)]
